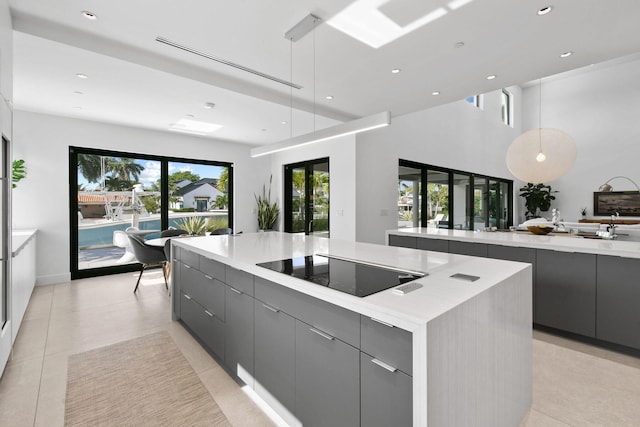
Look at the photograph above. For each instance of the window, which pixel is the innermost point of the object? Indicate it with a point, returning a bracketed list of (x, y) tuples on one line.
[(475, 100), (112, 191), (507, 107), (431, 196), (306, 201)]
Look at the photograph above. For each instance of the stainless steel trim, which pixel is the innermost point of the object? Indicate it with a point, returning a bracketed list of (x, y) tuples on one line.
[(384, 365), (382, 323), (322, 334), (268, 307), (225, 62), (235, 290), (374, 264)]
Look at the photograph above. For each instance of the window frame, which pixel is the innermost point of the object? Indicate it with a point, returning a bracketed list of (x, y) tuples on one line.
[(506, 107)]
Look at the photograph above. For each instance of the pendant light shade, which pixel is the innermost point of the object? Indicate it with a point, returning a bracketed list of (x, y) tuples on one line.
[(541, 155)]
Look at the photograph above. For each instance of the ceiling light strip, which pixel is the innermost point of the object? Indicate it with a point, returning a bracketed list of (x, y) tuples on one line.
[(355, 126), (226, 62)]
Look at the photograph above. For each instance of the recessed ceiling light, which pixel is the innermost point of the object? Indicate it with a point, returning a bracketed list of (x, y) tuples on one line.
[(283, 122), (77, 92), (491, 77), (396, 70), (435, 93), (194, 127), (329, 96), (89, 15), (545, 10), (209, 105), (82, 76), (566, 54)]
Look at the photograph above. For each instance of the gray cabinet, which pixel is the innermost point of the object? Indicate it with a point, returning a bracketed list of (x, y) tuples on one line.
[(386, 396), (239, 330), (566, 291), (618, 301), (387, 343), (327, 379), (513, 253), (274, 364), (204, 324), (468, 248), (438, 245), (403, 241)]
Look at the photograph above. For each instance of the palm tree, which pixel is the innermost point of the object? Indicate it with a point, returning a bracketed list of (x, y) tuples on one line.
[(223, 180), (123, 168), (89, 166)]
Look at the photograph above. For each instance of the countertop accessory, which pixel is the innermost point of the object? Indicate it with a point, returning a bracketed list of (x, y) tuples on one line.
[(540, 229)]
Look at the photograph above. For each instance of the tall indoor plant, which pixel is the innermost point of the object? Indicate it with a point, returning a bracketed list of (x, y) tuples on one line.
[(537, 197), (267, 212)]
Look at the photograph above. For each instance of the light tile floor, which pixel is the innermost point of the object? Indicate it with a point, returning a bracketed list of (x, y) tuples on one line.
[(573, 384)]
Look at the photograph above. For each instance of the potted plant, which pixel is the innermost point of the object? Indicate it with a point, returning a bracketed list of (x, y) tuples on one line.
[(267, 212), (537, 197), (583, 212), (18, 172)]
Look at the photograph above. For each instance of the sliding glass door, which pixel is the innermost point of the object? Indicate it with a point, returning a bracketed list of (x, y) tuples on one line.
[(113, 193), (306, 205)]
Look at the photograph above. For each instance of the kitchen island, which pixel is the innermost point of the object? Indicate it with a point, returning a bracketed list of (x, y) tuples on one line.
[(584, 287), (456, 351)]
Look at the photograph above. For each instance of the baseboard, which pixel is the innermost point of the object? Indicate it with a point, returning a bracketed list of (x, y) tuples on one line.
[(53, 279)]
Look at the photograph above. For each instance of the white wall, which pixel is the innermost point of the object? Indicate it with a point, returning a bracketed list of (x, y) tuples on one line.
[(6, 51), (599, 107), (456, 135), (42, 200), (342, 185)]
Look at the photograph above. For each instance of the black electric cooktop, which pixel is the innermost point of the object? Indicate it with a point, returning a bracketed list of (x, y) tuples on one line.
[(343, 275)]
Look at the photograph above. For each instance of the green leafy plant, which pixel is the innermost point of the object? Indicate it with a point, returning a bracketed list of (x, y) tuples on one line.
[(583, 211), (216, 222), (267, 212), (18, 171), (195, 225), (537, 197)]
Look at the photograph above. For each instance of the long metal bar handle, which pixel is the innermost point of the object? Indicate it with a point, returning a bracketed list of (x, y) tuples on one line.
[(208, 313), (208, 277), (186, 266), (187, 296), (268, 307), (235, 290), (381, 322), (322, 334), (384, 365)]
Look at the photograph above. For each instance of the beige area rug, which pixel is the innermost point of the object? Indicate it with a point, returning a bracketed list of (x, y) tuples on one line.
[(141, 382)]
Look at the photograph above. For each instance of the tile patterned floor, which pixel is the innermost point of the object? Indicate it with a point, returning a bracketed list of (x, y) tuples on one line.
[(573, 384)]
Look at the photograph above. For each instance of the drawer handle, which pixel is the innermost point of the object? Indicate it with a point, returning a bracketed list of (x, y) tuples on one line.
[(322, 334), (186, 266), (384, 365), (268, 307), (382, 323), (187, 296), (235, 290), (208, 277), (208, 313)]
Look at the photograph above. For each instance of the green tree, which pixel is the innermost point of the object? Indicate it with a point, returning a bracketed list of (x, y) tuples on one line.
[(221, 202), (123, 168), (439, 198), (174, 179), (115, 183), (223, 180), (89, 166)]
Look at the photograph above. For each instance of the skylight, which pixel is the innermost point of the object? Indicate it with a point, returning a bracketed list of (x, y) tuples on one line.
[(194, 127)]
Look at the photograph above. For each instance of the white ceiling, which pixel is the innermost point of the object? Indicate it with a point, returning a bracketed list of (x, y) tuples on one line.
[(135, 80)]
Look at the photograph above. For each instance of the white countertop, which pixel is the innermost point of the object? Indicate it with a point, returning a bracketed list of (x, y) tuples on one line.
[(558, 242), (439, 293), (19, 239)]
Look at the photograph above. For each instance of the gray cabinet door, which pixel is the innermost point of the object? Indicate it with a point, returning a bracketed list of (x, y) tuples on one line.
[(176, 295), (512, 253), (402, 241), (386, 396), (468, 248), (566, 291), (327, 379), (239, 331), (275, 350), (618, 316), (205, 325), (427, 244)]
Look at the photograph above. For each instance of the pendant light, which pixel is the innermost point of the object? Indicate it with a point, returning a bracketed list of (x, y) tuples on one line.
[(541, 155)]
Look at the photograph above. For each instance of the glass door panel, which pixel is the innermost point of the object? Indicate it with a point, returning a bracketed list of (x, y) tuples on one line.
[(480, 203), (461, 197), (198, 197), (409, 197), (438, 198), (503, 210), (319, 200), (298, 211)]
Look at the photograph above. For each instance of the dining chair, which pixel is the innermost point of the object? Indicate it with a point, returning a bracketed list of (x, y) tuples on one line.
[(172, 232), (149, 257), (218, 231)]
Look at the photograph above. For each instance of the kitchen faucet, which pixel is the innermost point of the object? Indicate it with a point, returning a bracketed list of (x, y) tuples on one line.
[(612, 226)]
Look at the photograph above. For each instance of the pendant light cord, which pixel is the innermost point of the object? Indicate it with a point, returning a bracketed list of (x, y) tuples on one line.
[(540, 116), (314, 75), (290, 88)]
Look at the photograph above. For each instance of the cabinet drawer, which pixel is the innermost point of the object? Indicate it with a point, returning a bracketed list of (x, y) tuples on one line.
[(206, 326), (334, 320), (403, 241), (386, 397), (388, 344), (212, 268), (428, 244), (204, 289), (240, 280), (468, 248), (192, 259), (175, 252)]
